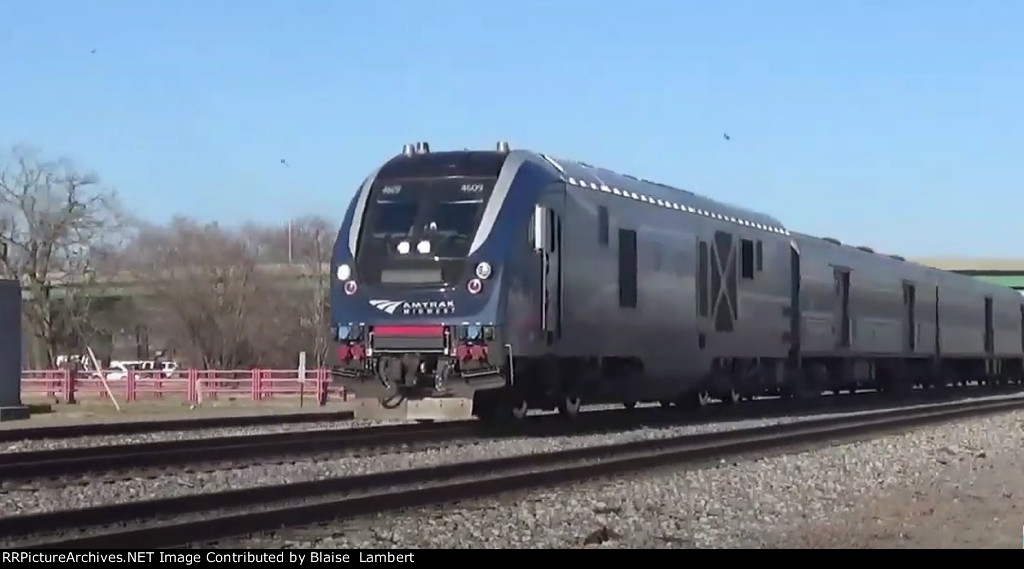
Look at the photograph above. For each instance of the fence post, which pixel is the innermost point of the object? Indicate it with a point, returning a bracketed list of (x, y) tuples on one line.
[(52, 383), (321, 386), (257, 389), (129, 386), (69, 385), (193, 386)]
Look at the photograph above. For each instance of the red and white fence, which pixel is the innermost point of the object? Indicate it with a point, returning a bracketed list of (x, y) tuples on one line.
[(193, 385)]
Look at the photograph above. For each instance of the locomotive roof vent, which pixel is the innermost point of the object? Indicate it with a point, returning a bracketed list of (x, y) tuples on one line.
[(407, 149), (503, 147), (422, 148)]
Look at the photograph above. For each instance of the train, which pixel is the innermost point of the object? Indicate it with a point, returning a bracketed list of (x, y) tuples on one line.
[(524, 281)]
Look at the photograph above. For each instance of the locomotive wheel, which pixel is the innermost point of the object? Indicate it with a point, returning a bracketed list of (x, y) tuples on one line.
[(499, 408), (519, 410), (703, 399), (694, 400), (731, 398), (665, 404), (805, 388), (569, 407), (392, 399), (629, 404)]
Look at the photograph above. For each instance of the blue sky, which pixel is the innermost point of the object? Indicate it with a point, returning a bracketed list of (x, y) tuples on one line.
[(894, 124)]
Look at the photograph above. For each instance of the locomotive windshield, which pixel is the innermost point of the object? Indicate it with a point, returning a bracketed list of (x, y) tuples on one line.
[(418, 231)]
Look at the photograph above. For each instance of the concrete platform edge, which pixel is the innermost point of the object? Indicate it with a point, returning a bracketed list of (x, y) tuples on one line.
[(429, 409)]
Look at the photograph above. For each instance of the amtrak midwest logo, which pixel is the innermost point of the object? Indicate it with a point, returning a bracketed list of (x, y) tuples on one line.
[(416, 307)]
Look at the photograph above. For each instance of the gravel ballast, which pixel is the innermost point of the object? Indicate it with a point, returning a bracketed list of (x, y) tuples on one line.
[(903, 490), (192, 434), (32, 496)]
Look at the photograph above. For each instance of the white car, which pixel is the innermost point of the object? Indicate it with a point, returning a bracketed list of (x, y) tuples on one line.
[(169, 368), (117, 372)]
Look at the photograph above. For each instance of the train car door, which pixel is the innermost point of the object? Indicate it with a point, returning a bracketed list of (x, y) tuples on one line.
[(794, 300), (990, 335), (843, 324), (548, 237), (1022, 328), (909, 320), (938, 325), (703, 290)]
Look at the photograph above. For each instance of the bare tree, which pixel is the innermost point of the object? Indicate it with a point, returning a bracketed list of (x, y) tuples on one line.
[(207, 280), (312, 239), (54, 220), (296, 256), (268, 242)]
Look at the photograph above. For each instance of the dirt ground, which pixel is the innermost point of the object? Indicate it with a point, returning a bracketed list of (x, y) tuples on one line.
[(977, 503)]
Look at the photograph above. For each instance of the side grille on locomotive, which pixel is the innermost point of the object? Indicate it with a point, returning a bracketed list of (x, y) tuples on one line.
[(409, 339)]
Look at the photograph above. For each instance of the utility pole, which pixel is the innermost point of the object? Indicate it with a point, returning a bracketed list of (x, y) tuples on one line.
[(289, 241)]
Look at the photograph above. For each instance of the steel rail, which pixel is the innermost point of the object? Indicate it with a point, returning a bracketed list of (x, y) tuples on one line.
[(81, 460), (161, 454), (272, 507), (154, 426), (15, 434)]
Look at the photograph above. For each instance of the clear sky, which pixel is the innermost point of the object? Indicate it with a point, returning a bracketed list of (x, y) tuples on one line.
[(897, 124)]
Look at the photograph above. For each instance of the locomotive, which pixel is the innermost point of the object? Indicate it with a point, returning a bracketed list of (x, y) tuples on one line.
[(524, 281)]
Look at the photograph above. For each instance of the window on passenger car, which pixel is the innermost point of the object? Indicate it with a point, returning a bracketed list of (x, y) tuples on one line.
[(759, 256), (746, 258), (602, 225)]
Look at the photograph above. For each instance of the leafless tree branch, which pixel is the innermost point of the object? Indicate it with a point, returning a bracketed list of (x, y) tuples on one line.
[(54, 219)]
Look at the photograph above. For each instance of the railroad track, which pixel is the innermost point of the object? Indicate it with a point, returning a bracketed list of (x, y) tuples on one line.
[(142, 459), (189, 424), (206, 518), (162, 454)]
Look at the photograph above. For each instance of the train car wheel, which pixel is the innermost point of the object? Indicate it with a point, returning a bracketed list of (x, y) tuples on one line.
[(694, 400), (392, 400), (569, 406), (493, 407), (703, 399), (629, 404), (519, 410), (731, 398)]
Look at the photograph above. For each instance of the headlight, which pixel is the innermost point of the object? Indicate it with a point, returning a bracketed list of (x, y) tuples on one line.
[(483, 270), (344, 272)]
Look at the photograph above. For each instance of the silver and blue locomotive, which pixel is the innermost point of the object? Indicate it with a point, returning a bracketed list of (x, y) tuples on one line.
[(524, 281)]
